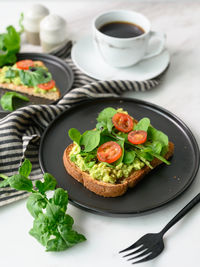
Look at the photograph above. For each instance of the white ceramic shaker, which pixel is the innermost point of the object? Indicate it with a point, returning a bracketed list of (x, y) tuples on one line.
[(53, 32), (32, 18)]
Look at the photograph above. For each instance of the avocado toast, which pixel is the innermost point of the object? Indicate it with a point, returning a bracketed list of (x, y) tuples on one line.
[(29, 77), (117, 154)]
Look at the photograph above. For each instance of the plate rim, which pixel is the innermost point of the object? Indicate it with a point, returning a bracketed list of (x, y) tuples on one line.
[(149, 104), (52, 57), (99, 78)]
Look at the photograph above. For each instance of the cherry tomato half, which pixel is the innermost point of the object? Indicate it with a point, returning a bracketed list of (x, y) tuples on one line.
[(46, 86), (109, 152), (123, 122), (25, 64), (137, 137)]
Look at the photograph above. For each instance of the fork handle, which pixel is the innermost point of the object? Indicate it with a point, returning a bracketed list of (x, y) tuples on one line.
[(181, 213)]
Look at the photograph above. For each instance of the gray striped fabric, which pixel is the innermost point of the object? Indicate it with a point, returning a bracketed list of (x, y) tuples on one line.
[(20, 131)]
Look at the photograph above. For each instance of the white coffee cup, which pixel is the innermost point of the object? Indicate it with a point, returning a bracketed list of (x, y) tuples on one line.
[(125, 52)]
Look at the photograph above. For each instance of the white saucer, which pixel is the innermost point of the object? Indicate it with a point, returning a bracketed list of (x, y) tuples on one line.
[(87, 59)]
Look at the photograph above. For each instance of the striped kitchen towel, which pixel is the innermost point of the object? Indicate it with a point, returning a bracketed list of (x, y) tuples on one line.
[(21, 130)]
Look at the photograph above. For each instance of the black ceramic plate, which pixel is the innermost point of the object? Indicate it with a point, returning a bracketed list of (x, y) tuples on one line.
[(61, 73), (159, 187)]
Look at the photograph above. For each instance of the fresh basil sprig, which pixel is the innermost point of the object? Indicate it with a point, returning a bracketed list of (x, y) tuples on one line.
[(10, 44), (7, 101), (52, 227)]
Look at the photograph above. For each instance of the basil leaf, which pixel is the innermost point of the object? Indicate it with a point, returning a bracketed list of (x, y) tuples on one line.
[(9, 46), (48, 184), (20, 182), (161, 158), (105, 118), (7, 100), (74, 135), (70, 237), (53, 212), (156, 147), (121, 143), (156, 135), (60, 198), (41, 229), (142, 125), (56, 244), (129, 157), (35, 204), (90, 140), (25, 168), (33, 78), (10, 73), (4, 183), (100, 126)]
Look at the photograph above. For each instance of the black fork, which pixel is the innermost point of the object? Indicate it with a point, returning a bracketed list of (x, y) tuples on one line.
[(151, 245)]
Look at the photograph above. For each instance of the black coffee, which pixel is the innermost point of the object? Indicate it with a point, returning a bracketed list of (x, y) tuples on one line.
[(121, 29)]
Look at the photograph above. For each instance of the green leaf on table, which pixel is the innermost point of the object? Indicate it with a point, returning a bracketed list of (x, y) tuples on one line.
[(9, 46), (25, 168), (52, 227), (70, 237), (53, 212), (48, 184), (60, 198), (56, 244), (7, 100), (4, 183), (35, 204), (41, 229), (20, 182)]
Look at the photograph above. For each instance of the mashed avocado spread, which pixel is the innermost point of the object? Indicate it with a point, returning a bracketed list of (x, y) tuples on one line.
[(101, 171), (17, 81), (117, 146)]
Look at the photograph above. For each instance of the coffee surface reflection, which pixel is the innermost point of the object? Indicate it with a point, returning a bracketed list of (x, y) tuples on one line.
[(121, 29)]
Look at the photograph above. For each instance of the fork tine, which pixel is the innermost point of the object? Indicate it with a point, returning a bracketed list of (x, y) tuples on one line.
[(149, 257), (145, 252), (135, 245), (141, 248)]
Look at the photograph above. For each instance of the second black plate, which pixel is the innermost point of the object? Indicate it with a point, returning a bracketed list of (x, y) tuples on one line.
[(61, 73), (159, 187)]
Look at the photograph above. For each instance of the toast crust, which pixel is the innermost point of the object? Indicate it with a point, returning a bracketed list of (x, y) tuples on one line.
[(30, 91), (107, 189)]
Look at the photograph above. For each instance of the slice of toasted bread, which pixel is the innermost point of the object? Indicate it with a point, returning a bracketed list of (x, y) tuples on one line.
[(31, 90), (107, 189)]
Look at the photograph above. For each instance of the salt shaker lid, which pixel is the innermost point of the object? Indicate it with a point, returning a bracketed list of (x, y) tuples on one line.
[(52, 22), (37, 11), (33, 16)]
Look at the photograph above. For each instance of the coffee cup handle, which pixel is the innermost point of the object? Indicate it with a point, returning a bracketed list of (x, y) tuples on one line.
[(162, 40)]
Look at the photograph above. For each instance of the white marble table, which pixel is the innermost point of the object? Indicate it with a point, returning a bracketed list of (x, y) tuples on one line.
[(179, 92)]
